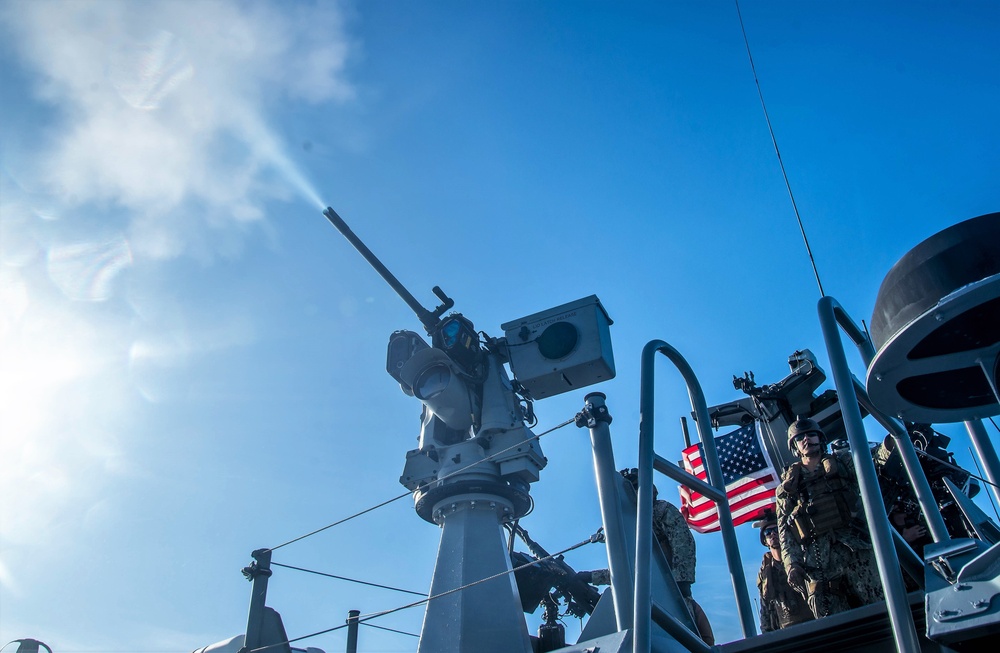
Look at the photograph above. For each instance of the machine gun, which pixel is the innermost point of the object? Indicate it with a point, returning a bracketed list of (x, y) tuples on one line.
[(477, 457), (551, 579)]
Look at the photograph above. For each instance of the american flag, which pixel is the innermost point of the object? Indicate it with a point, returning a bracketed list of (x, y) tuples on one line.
[(748, 474)]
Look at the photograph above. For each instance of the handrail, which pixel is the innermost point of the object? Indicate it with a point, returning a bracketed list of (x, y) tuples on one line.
[(642, 603), (918, 480), (832, 315)]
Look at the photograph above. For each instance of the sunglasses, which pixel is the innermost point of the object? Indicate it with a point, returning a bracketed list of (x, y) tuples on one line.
[(799, 437), (770, 530)]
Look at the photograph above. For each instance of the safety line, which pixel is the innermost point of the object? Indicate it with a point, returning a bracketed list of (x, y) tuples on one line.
[(391, 630), (406, 494), (777, 152), (352, 580), (596, 537), (337, 523)]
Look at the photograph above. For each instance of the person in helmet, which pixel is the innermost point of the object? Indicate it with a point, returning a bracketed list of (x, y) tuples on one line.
[(671, 532), (780, 605), (824, 542)]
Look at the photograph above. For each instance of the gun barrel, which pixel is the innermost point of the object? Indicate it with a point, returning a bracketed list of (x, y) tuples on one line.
[(427, 318)]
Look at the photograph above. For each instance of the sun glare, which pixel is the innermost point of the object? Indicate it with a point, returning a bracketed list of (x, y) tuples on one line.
[(48, 360)]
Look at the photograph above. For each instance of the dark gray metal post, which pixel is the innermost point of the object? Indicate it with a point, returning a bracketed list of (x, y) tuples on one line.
[(643, 608), (352, 630), (258, 572), (598, 420), (987, 454), (903, 630)]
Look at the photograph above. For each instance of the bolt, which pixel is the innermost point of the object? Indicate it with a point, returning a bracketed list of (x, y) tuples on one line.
[(980, 604), (878, 377), (938, 317)]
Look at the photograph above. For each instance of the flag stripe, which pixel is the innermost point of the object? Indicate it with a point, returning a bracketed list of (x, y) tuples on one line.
[(750, 480)]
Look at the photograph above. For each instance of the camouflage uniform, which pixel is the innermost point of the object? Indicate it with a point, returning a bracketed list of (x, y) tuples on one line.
[(820, 530), (780, 605), (675, 538)]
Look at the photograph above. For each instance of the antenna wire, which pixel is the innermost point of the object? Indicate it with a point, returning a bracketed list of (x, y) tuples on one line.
[(777, 152)]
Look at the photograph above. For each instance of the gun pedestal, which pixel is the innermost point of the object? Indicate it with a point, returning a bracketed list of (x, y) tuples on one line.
[(470, 504), (486, 616)]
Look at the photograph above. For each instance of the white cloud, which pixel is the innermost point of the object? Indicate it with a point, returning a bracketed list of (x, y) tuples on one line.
[(163, 105)]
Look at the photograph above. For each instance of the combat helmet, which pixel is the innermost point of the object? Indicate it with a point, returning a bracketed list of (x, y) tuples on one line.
[(632, 476), (768, 519), (800, 426)]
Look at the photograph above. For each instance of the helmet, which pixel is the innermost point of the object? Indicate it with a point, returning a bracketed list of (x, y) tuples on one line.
[(768, 519), (800, 426), (632, 476)]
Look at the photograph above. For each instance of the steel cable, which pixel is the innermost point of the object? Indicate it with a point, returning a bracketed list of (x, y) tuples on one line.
[(351, 580), (596, 537)]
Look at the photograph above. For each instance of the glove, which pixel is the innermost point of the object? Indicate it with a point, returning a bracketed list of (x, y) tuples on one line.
[(585, 576), (797, 579)]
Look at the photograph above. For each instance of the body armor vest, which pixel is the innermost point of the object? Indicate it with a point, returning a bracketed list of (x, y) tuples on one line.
[(788, 606), (825, 499)]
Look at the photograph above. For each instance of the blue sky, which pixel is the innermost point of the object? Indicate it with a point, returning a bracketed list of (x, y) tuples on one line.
[(193, 358)]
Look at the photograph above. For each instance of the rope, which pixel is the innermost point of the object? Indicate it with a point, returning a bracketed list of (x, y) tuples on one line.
[(596, 537), (352, 580), (777, 152), (406, 494)]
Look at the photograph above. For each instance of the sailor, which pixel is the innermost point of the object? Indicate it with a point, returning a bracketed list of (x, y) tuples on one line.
[(780, 605), (824, 543), (672, 533)]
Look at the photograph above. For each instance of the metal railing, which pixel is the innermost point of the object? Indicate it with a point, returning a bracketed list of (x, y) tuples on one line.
[(832, 318), (715, 489)]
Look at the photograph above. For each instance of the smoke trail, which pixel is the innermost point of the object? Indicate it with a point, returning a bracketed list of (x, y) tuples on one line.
[(163, 107), (268, 148)]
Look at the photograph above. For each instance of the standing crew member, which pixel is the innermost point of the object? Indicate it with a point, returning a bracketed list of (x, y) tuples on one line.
[(780, 605), (824, 543), (672, 533)]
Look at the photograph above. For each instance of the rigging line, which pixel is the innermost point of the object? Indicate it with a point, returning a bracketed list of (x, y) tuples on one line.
[(979, 469), (596, 537), (406, 494), (777, 152), (391, 630), (352, 580)]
